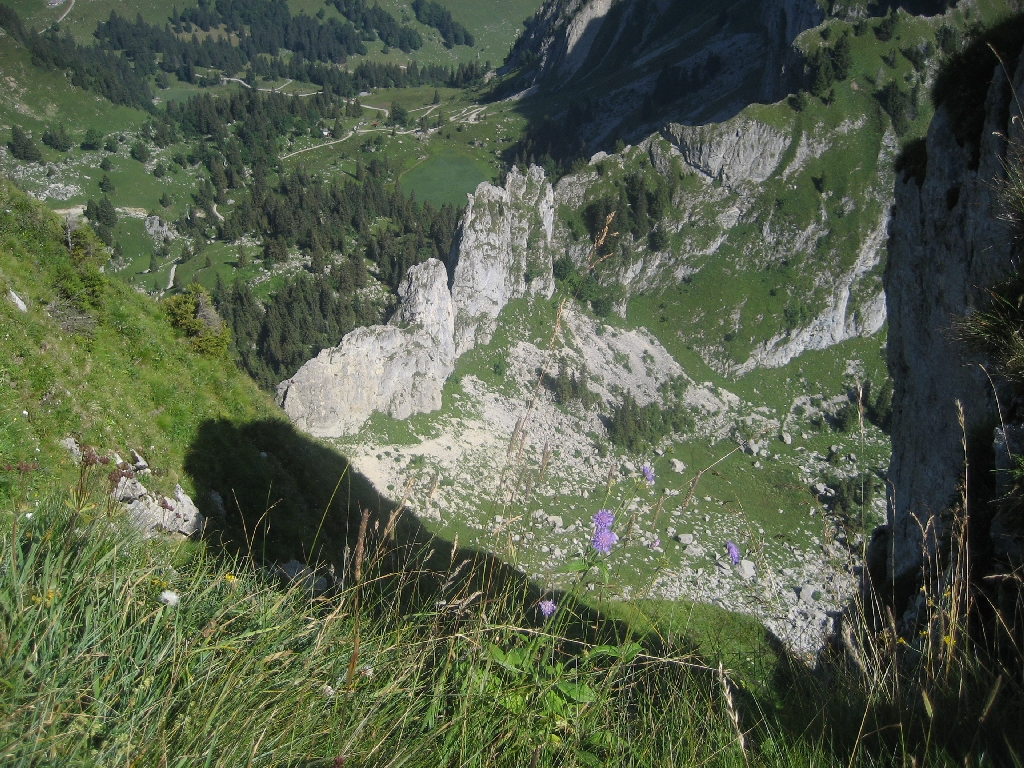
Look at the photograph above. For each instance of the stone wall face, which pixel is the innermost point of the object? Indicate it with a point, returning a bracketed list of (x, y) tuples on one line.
[(947, 247)]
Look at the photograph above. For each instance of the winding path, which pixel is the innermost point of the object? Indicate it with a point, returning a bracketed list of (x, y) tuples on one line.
[(59, 20), (170, 278), (319, 146)]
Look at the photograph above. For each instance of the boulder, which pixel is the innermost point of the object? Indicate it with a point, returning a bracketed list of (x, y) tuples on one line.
[(153, 516), (74, 450), (677, 466), (17, 301), (746, 570), (295, 572), (806, 593), (139, 463)]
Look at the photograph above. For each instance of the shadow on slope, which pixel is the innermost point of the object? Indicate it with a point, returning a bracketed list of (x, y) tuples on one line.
[(288, 496)]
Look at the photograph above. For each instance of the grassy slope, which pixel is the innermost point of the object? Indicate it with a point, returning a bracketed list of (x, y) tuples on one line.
[(132, 383)]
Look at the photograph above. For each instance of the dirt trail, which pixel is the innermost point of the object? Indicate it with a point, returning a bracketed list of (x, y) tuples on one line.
[(63, 15)]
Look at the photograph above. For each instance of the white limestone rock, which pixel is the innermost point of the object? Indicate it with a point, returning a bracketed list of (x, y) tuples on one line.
[(17, 301), (153, 516), (502, 251), (398, 369)]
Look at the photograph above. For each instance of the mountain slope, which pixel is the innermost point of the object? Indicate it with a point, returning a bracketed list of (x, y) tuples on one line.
[(90, 358), (626, 66)]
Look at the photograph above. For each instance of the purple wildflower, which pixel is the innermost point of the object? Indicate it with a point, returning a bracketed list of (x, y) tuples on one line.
[(603, 518), (547, 607), (649, 474), (603, 541), (734, 552)]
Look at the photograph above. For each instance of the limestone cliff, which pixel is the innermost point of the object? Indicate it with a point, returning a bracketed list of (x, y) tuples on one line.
[(740, 150), (946, 248), (398, 368), (501, 253)]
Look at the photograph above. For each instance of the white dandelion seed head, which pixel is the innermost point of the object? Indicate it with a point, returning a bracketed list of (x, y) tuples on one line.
[(169, 597)]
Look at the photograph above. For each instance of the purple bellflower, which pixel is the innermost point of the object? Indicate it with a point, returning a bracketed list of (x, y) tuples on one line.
[(603, 541), (734, 552)]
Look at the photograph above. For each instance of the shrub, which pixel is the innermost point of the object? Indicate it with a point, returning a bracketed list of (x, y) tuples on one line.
[(139, 151), (192, 313), (22, 147), (93, 140)]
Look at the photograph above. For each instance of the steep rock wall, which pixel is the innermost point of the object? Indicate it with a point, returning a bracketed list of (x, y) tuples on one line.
[(501, 253), (946, 248), (612, 54), (398, 369)]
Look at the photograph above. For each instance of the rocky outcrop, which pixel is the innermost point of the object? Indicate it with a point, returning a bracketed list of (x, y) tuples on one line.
[(153, 515), (946, 248), (738, 150), (398, 369), (501, 253), (842, 319)]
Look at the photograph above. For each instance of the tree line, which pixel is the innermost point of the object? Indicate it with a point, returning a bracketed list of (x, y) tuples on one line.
[(440, 18)]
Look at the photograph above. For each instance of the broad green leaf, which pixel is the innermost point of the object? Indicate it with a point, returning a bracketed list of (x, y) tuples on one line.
[(580, 693), (576, 566)]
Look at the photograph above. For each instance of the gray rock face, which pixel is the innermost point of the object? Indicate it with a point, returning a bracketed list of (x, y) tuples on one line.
[(738, 150), (946, 247), (614, 47), (503, 253), (398, 369)]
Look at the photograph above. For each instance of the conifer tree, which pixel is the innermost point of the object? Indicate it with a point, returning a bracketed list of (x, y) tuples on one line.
[(57, 138), (22, 147)]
